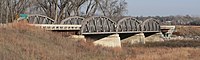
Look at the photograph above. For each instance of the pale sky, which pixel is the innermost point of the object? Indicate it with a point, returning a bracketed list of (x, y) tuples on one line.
[(163, 7)]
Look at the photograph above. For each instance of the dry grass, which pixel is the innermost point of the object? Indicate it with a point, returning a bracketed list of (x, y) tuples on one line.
[(23, 42), (163, 53), (170, 44), (188, 30), (169, 50)]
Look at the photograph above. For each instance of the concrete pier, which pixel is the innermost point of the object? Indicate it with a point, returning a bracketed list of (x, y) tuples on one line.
[(154, 37), (110, 41), (115, 40), (135, 39)]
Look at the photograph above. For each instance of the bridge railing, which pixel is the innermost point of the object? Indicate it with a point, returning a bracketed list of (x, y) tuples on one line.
[(57, 27)]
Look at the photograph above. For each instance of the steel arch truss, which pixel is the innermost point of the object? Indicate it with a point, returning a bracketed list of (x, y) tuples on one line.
[(73, 20), (98, 25), (151, 25), (129, 25), (40, 19)]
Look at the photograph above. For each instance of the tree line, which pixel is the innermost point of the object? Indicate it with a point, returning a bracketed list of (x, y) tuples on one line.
[(60, 9), (174, 20)]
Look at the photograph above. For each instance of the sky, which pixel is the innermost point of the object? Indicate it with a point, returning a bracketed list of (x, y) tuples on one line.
[(163, 7)]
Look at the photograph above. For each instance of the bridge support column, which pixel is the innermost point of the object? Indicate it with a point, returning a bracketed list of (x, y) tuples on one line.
[(110, 41), (135, 39), (78, 38), (154, 38)]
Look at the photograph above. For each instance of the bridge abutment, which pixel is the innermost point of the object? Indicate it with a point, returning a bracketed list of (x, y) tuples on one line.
[(156, 37), (109, 41), (134, 39)]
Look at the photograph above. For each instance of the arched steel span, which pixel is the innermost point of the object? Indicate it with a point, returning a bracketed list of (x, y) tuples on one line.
[(151, 25), (76, 20), (98, 25), (40, 19), (129, 25)]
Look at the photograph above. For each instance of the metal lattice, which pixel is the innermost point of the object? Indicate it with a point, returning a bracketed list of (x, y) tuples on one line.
[(151, 25), (128, 24), (73, 20), (98, 25), (40, 19)]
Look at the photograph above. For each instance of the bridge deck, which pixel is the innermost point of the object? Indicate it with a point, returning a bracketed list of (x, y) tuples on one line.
[(78, 28), (57, 27)]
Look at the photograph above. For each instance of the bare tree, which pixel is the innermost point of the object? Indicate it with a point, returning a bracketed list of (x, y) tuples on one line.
[(113, 8), (11, 8), (91, 7), (60, 9)]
